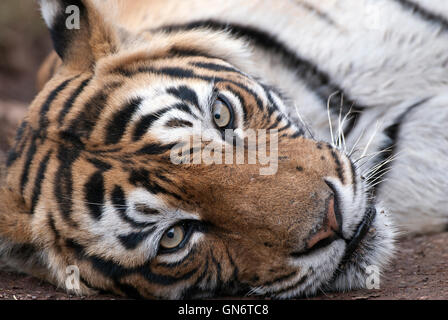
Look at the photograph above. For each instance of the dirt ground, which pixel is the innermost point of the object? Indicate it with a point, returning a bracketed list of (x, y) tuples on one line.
[(420, 270)]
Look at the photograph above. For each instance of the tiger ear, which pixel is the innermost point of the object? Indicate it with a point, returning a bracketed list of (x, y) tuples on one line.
[(79, 32)]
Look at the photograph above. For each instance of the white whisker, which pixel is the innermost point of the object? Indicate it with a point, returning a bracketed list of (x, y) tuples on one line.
[(381, 164), (342, 126), (303, 122), (356, 142), (377, 126), (371, 186), (329, 117)]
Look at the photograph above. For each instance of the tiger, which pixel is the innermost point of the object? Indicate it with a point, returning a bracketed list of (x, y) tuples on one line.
[(351, 98)]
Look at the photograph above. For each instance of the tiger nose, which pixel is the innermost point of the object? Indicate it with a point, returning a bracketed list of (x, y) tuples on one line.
[(330, 229)]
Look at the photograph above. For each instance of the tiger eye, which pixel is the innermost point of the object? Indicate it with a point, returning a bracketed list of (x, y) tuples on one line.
[(222, 116), (173, 237)]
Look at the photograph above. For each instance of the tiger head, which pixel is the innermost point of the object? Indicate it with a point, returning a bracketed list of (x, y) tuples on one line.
[(116, 170)]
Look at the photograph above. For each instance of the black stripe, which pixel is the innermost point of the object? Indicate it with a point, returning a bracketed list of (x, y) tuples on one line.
[(218, 271), (292, 287), (287, 126), (259, 103), (69, 103), (142, 178), (277, 121), (195, 290), (186, 260), (352, 165), (177, 51), (38, 181), (71, 137), (298, 133), (21, 131), (322, 15), (105, 151), (241, 101), (177, 72), (214, 67), (117, 126), (43, 121), (392, 132), (99, 164), (164, 279), (94, 194), (84, 123), (146, 122), (132, 240), (19, 145), (52, 225), (86, 120), (154, 149), (187, 74), (115, 271), (425, 14), (314, 78), (162, 177), (185, 108), (236, 271), (339, 169), (28, 160), (273, 105), (185, 94), (145, 210), (178, 123), (195, 287), (119, 201), (63, 182)]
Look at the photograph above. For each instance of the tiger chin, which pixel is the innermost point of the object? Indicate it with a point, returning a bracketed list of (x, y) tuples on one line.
[(90, 183)]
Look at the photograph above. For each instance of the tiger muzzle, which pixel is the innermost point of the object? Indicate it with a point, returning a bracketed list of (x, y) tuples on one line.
[(330, 229)]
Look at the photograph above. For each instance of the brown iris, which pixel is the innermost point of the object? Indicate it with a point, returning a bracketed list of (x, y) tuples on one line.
[(222, 114), (173, 237)]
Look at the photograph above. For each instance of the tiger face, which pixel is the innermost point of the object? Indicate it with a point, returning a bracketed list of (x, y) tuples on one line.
[(112, 166)]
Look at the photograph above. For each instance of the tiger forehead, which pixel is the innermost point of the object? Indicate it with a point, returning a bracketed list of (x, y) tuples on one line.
[(187, 64), (90, 103)]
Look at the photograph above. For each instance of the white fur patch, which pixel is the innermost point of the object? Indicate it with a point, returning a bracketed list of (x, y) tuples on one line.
[(50, 9)]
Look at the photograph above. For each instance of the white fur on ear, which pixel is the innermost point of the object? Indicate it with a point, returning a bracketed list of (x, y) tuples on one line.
[(50, 9)]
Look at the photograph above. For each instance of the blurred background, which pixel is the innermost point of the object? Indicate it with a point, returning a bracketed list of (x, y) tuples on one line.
[(24, 43)]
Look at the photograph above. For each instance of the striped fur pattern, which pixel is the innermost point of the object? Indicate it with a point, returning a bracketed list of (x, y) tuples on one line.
[(348, 89)]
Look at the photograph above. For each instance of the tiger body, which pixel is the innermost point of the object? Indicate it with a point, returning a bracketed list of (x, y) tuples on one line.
[(90, 182)]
